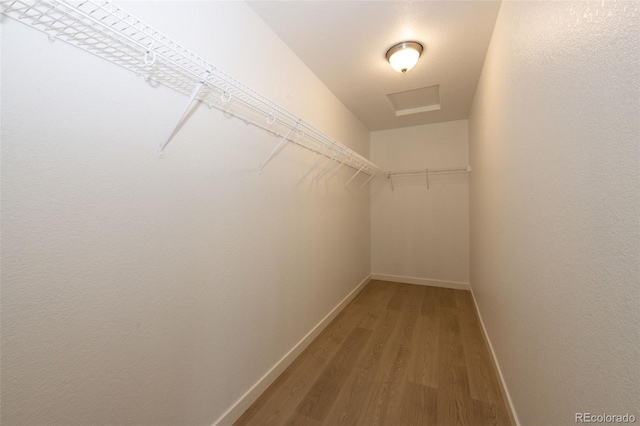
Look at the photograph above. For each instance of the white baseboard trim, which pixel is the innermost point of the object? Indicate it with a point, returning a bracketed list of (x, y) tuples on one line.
[(245, 401), (421, 281), (503, 384)]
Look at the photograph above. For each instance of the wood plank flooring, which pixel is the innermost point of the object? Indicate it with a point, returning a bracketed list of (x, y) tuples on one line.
[(398, 355)]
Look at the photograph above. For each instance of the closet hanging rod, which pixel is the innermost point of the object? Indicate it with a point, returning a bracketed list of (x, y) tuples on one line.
[(108, 31)]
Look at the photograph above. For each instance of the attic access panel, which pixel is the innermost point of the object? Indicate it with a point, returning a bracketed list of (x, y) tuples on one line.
[(415, 101)]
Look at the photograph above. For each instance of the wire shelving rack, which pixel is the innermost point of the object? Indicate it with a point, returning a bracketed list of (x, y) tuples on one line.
[(108, 31), (426, 173)]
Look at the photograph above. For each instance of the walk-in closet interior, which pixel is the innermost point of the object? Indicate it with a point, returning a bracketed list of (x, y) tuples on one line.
[(256, 213)]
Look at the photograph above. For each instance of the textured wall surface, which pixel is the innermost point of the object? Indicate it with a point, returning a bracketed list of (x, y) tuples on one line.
[(418, 232), (138, 290), (554, 145)]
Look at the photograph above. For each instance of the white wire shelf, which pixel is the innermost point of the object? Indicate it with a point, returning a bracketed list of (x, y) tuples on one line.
[(426, 173), (466, 169), (107, 31)]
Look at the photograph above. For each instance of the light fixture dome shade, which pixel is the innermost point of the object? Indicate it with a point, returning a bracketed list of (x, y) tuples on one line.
[(404, 56)]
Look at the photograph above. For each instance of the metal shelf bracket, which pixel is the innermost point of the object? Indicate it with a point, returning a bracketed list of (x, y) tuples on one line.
[(276, 150), (187, 107), (354, 176)]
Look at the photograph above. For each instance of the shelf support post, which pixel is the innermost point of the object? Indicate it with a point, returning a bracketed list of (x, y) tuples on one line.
[(313, 166), (186, 110), (276, 150), (337, 168), (325, 168), (354, 176), (367, 181)]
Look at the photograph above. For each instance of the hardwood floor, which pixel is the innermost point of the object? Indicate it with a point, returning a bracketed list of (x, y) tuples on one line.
[(399, 355)]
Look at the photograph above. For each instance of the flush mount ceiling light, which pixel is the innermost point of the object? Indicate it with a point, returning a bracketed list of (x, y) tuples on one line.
[(404, 56)]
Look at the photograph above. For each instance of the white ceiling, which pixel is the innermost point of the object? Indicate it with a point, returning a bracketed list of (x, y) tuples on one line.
[(344, 44)]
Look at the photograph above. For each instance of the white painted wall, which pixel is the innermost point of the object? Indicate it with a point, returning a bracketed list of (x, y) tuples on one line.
[(554, 146), (144, 291), (415, 232)]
